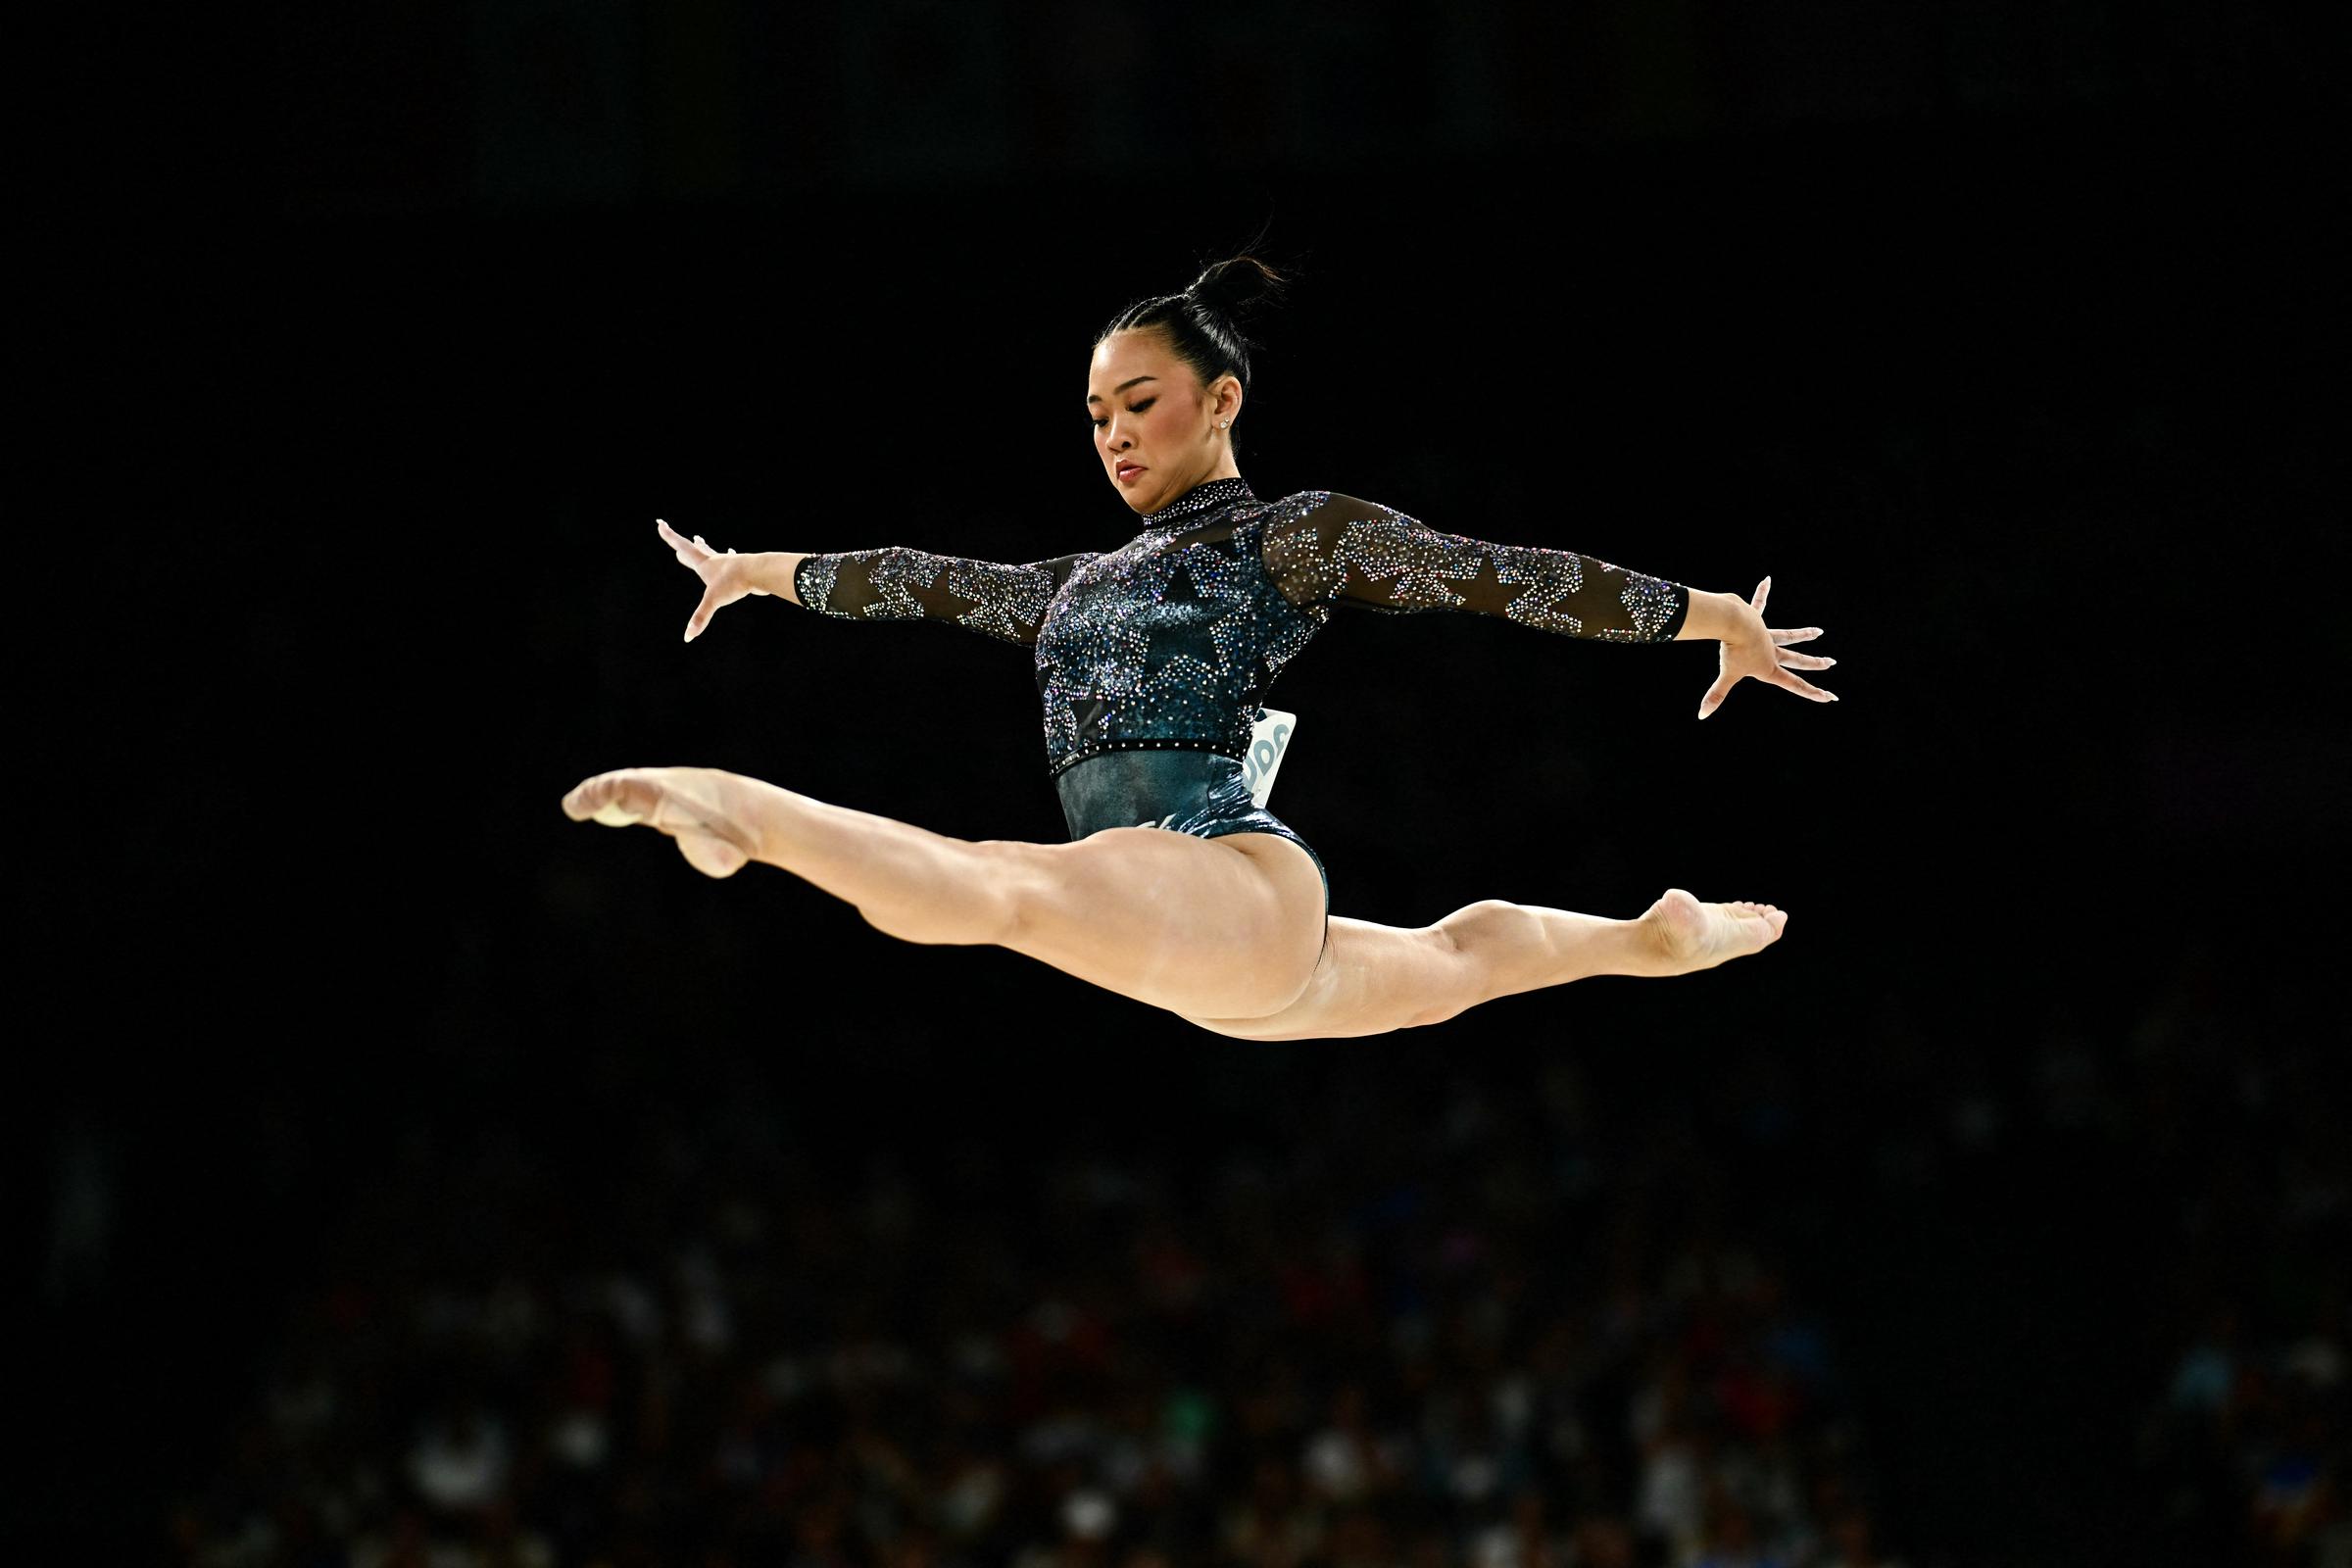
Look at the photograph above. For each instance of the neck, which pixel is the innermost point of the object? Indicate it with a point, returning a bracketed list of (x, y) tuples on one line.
[(1223, 470), (1191, 498)]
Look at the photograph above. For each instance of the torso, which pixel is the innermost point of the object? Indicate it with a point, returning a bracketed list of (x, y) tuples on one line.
[(1169, 641)]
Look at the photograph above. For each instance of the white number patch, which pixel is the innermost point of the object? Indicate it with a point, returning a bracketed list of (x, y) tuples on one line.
[(1267, 742)]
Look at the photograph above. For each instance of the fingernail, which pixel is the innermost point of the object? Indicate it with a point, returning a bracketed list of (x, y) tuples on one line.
[(1832, 697)]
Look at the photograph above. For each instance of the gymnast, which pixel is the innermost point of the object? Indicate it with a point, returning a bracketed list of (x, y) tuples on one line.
[(1178, 888)]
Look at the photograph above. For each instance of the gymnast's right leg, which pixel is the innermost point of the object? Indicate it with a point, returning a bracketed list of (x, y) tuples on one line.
[(1224, 927)]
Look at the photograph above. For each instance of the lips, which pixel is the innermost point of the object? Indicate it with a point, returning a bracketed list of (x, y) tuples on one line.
[(1128, 470)]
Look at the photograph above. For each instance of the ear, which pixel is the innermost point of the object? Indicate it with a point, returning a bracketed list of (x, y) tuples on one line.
[(1226, 395)]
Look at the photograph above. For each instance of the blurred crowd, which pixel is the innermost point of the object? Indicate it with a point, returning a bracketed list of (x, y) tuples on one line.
[(2247, 1440), (1441, 1322), (1483, 1333)]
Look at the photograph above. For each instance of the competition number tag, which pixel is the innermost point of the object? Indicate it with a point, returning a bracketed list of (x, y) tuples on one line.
[(1268, 739)]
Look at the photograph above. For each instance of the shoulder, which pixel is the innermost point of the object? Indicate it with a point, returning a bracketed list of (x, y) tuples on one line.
[(1298, 503), (1312, 506), (1324, 510), (1059, 568)]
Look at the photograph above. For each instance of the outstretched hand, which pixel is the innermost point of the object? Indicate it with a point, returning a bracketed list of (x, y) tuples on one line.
[(727, 577), (1757, 652)]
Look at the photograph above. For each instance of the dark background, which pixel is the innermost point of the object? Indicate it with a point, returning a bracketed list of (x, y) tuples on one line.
[(2003, 338)]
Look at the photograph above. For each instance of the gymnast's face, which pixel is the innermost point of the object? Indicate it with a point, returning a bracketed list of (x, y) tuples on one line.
[(1156, 425)]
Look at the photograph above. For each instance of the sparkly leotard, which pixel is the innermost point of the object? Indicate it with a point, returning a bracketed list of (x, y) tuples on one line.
[(1152, 657)]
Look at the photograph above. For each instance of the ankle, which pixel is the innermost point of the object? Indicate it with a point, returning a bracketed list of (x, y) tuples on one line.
[(1649, 948)]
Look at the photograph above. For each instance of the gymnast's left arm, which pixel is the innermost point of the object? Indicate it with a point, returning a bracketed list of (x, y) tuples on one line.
[(1335, 549)]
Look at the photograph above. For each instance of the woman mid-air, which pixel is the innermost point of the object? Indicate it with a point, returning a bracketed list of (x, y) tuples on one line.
[(1177, 889)]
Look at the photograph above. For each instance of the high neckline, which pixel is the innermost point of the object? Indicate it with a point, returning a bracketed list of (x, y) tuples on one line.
[(1202, 497)]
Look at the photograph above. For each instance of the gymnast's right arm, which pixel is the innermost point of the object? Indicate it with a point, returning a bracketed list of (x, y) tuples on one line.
[(893, 583)]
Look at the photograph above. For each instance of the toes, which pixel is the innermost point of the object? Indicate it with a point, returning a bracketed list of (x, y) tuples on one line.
[(611, 799), (581, 802)]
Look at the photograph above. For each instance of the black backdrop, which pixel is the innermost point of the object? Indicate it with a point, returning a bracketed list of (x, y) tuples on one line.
[(2028, 401)]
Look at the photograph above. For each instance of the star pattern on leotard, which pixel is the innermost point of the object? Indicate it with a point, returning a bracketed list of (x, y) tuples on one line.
[(1089, 649), (1008, 602), (1323, 549), (1293, 554), (1001, 601), (1414, 560), (1170, 639), (813, 582), (1550, 577), (1652, 601), (1289, 639), (1173, 591), (894, 576), (1220, 578)]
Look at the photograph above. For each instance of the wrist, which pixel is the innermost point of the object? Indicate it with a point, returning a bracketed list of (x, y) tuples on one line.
[(1713, 617), (772, 573)]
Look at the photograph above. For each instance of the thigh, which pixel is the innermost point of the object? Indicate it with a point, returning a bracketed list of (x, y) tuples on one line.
[(1230, 926), (1372, 979)]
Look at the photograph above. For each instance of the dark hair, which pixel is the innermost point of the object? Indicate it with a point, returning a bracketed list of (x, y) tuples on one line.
[(1203, 322)]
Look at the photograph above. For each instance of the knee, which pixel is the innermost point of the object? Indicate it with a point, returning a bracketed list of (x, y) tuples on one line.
[(1470, 941), (1021, 891), (1477, 929)]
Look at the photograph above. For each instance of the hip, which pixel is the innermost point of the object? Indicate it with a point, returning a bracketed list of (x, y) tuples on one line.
[(1205, 793)]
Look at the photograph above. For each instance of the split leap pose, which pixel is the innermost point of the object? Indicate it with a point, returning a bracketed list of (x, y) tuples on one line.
[(1177, 889)]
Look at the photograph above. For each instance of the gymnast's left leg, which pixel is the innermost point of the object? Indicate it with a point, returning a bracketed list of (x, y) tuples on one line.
[(1377, 978)]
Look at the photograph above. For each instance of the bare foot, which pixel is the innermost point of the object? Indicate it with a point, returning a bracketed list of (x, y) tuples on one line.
[(1698, 936), (692, 804)]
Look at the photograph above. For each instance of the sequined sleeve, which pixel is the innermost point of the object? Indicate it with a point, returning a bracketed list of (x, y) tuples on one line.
[(1327, 549), (897, 583)]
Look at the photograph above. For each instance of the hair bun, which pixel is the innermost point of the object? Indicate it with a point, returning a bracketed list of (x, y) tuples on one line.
[(1233, 285)]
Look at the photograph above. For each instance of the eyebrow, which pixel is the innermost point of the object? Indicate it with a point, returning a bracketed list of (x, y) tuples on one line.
[(1096, 397)]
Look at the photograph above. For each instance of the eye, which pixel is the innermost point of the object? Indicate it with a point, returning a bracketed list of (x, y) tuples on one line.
[(1139, 408)]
